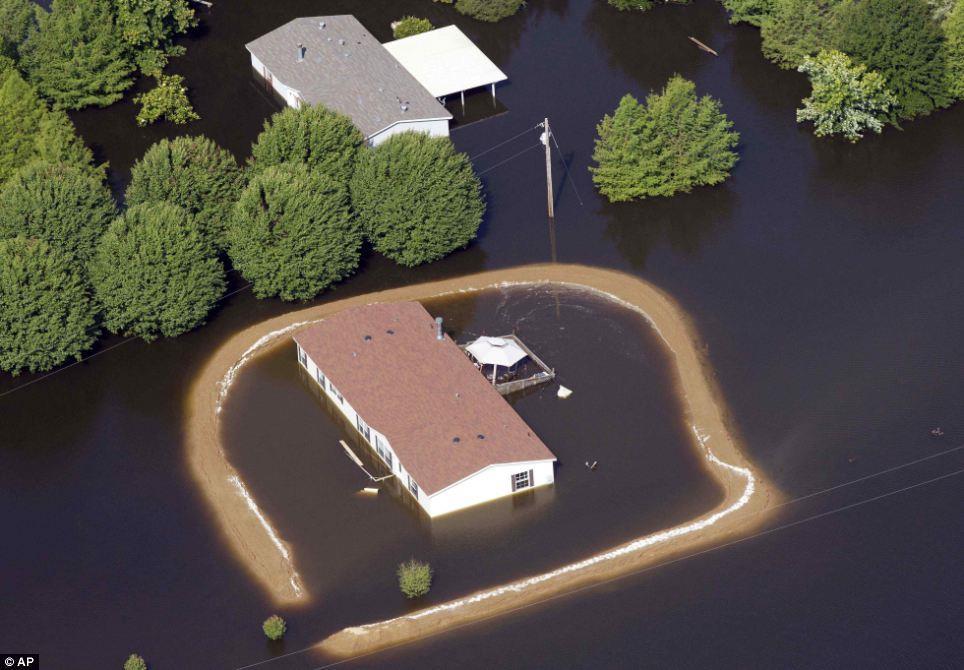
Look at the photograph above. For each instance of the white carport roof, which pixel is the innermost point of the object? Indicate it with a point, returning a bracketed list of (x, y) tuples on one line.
[(445, 61), (496, 351)]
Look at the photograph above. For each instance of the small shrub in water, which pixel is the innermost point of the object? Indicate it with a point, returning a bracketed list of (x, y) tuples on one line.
[(135, 662), (414, 578), (274, 627)]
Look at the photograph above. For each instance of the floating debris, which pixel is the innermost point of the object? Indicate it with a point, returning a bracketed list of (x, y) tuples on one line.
[(563, 392), (937, 432)]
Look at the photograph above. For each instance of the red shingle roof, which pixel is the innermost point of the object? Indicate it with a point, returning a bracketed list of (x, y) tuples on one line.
[(419, 392)]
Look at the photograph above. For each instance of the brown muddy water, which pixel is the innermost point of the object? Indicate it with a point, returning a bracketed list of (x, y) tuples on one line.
[(283, 437), (824, 278)]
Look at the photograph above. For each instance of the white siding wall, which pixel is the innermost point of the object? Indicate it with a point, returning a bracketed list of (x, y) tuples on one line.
[(290, 95), (489, 484), (437, 128)]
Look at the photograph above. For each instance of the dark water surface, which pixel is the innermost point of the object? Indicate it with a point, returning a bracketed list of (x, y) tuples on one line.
[(824, 278)]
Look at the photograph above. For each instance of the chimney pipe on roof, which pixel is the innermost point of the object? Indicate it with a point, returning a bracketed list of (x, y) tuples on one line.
[(439, 335), (301, 52)]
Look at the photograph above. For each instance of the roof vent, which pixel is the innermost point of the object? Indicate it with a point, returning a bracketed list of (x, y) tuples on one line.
[(439, 335), (368, 338), (456, 439), (404, 107), (342, 42), (321, 25), (301, 52), (354, 354), (390, 331), (480, 436)]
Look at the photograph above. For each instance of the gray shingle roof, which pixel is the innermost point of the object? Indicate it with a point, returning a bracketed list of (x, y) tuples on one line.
[(345, 69)]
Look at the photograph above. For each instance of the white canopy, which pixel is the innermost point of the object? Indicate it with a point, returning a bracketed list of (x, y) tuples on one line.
[(445, 61), (496, 351)]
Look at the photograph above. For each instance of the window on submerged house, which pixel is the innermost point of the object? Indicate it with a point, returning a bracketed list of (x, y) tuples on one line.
[(363, 428), (522, 480), (412, 486), (320, 376), (302, 356)]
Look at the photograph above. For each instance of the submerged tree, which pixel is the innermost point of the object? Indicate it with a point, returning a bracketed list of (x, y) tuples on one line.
[(417, 198), (669, 144), (753, 12), (62, 204), (76, 55), (292, 233), (410, 25), (489, 10), (794, 29), (193, 173), (46, 313), (315, 136), (149, 28), (900, 40), (954, 34), (16, 19), (846, 98), (154, 273), (29, 130), (167, 100)]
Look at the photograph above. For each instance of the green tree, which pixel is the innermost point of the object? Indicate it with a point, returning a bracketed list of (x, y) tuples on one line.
[(292, 233), (154, 274), (313, 135), (900, 40), (16, 18), (667, 145), (624, 5), (135, 662), (414, 578), (410, 25), (28, 130), (46, 313), (754, 12), (488, 10), (846, 98), (954, 32), (418, 199), (797, 28), (149, 28), (76, 56), (274, 627), (167, 100), (62, 204), (193, 173)]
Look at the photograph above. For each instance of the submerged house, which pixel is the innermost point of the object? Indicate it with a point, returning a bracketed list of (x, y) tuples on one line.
[(384, 89), (437, 424)]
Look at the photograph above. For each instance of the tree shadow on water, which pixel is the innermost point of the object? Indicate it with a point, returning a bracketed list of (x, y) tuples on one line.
[(684, 222)]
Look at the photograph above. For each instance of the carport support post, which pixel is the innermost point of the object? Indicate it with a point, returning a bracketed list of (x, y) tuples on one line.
[(493, 94), (463, 102)]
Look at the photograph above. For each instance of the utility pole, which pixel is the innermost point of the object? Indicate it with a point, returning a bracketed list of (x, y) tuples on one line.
[(546, 136)]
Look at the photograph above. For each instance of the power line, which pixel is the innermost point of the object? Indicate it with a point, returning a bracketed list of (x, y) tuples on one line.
[(783, 504), (510, 158), (504, 142), (98, 353), (646, 569)]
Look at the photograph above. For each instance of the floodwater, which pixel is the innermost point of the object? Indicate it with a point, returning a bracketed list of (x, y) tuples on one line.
[(824, 278), (282, 435)]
